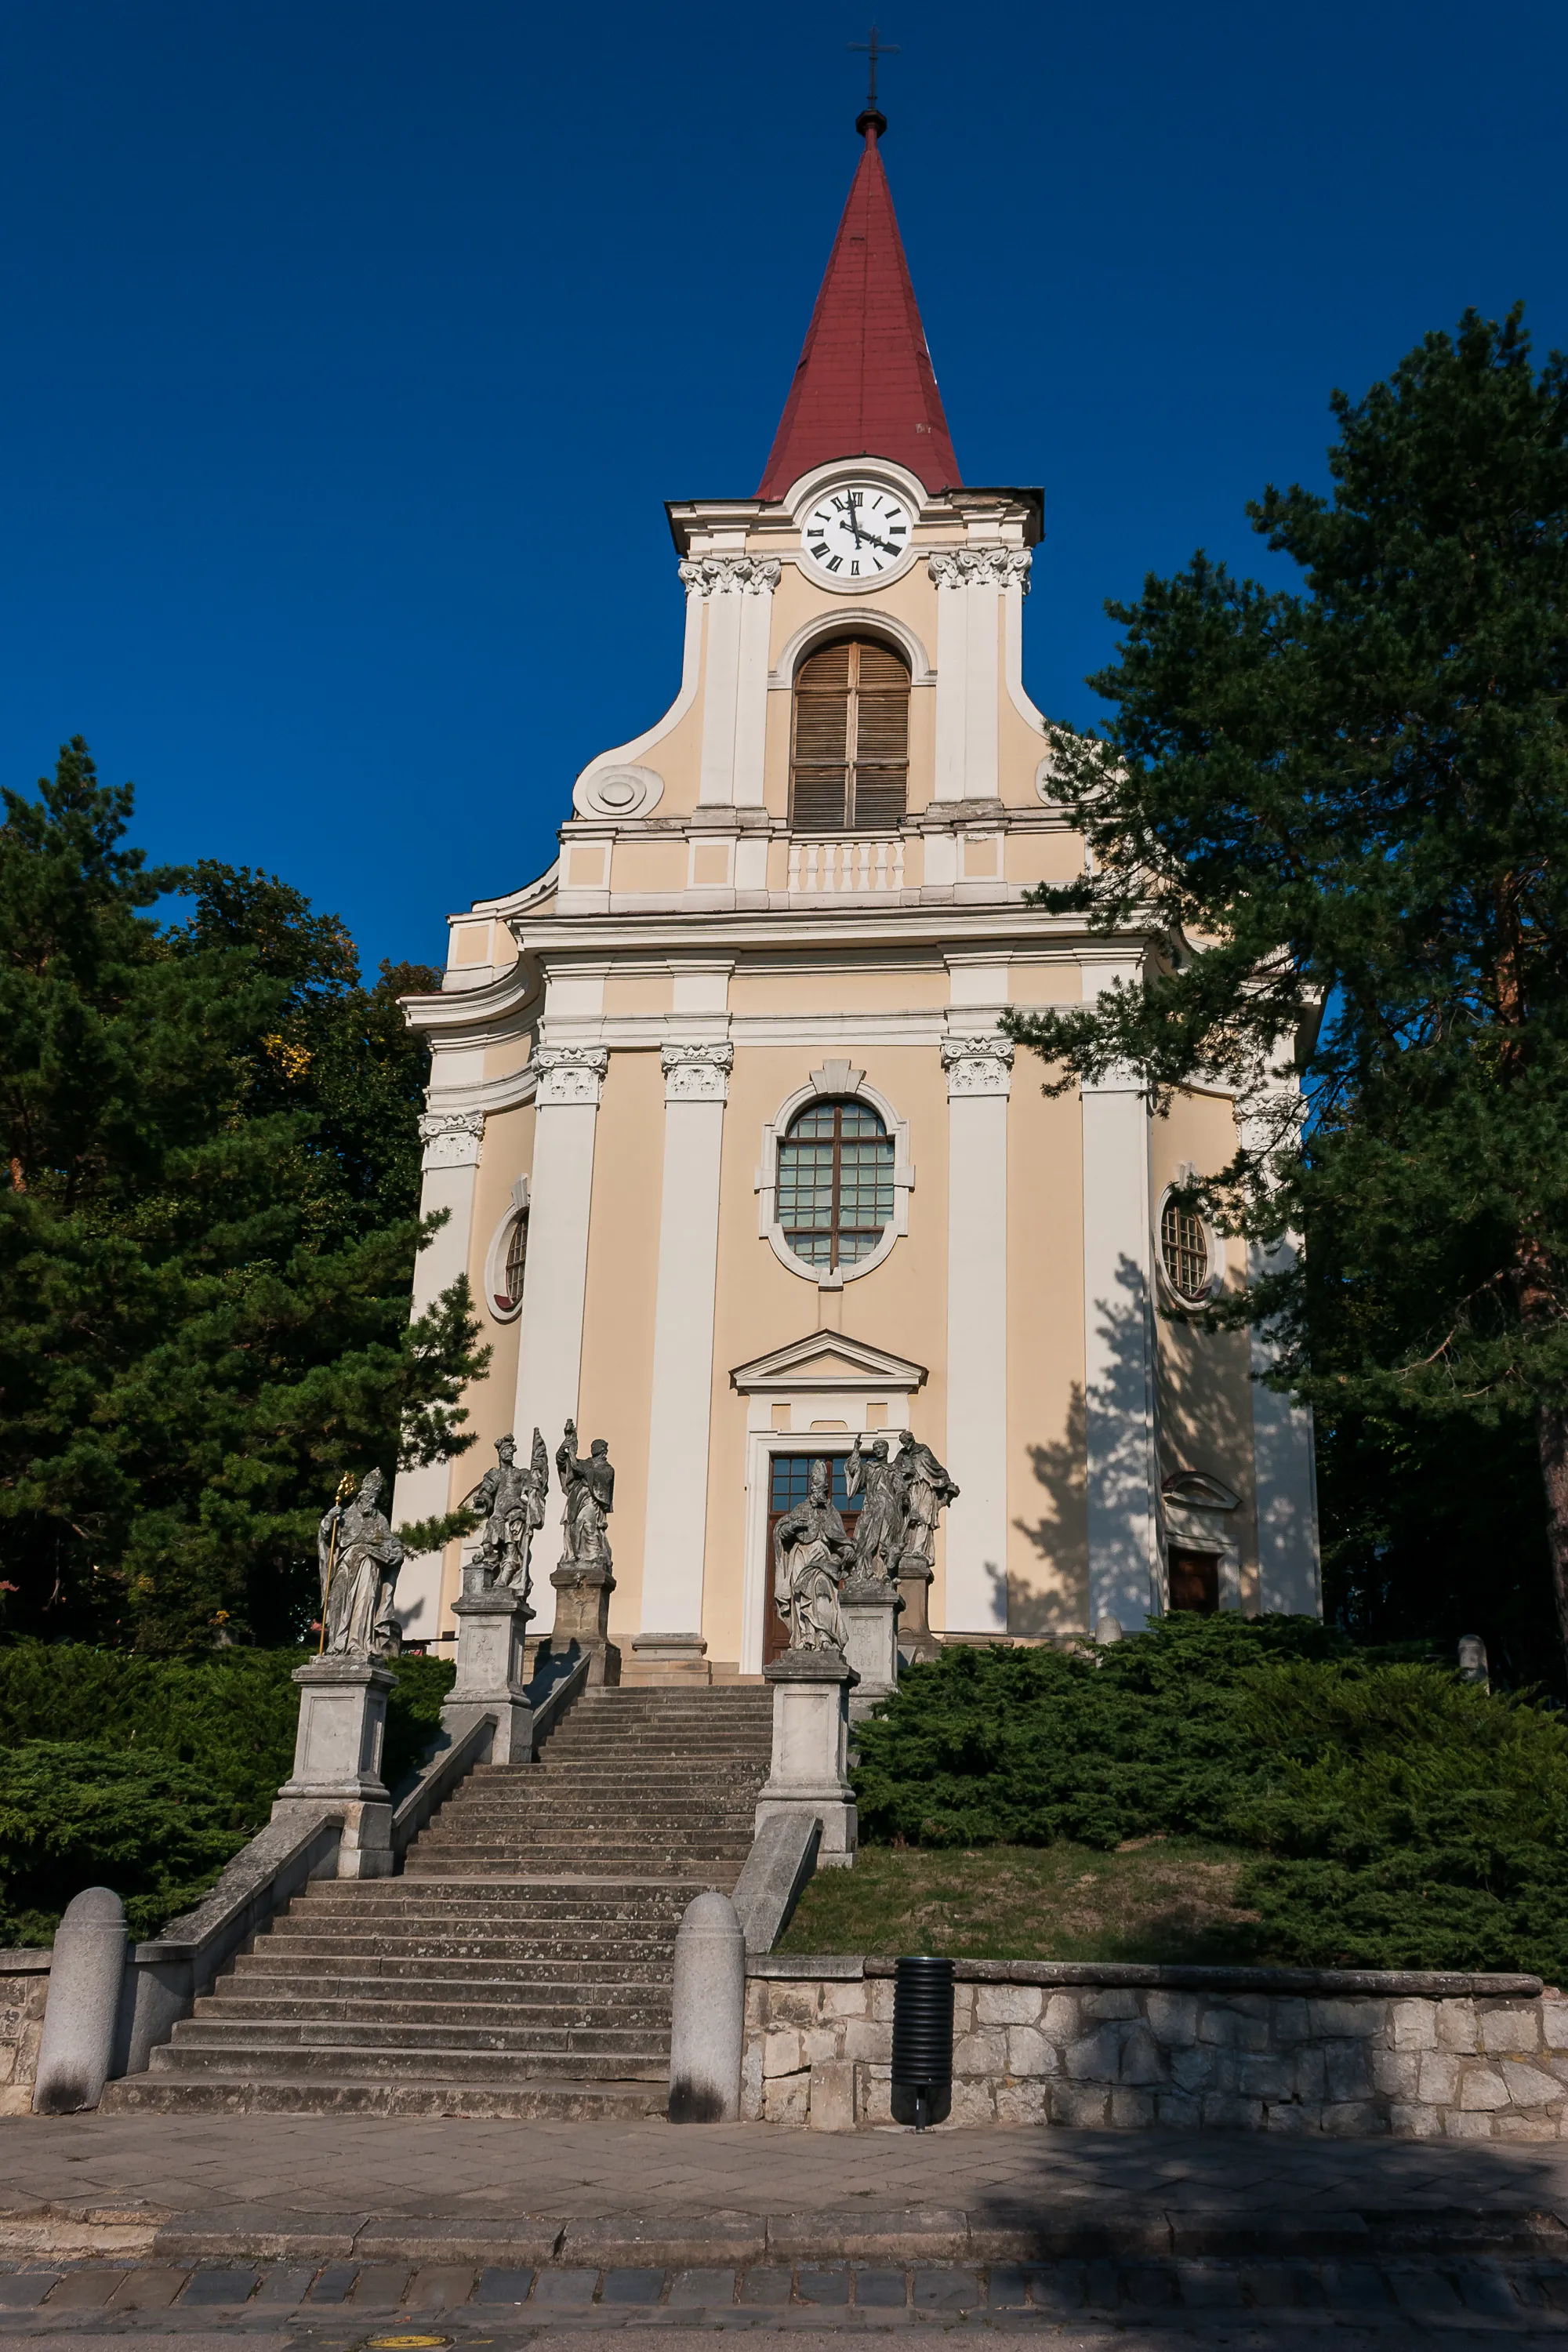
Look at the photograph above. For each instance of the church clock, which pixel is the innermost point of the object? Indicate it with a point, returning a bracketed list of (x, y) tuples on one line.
[(858, 531)]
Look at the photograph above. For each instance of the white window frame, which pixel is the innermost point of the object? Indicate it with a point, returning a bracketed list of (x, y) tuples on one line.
[(495, 1256), (1170, 1296), (834, 1082)]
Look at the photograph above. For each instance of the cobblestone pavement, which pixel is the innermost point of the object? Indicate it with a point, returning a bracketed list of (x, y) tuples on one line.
[(406, 2307)]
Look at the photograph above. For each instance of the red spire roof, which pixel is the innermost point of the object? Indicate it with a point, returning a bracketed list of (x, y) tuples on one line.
[(865, 386)]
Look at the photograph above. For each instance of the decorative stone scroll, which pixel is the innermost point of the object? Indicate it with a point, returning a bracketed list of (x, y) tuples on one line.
[(569, 1073), (697, 1073), (731, 575), (977, 1066), (451, 1137), (983, 567)]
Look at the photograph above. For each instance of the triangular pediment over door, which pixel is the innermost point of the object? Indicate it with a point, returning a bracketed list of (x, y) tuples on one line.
[(828, 1361)]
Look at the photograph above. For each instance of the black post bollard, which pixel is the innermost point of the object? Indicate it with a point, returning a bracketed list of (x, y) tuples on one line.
[(923, 2042)]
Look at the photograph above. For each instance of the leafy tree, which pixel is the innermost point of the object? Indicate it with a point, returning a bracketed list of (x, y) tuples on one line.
[(1339, 815), (207, 1243)]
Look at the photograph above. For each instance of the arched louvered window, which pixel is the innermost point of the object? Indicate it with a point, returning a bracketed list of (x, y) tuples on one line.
[(835, 1182), (850, 764)]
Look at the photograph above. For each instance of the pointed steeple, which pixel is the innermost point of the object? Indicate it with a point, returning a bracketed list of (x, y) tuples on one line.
[(865, 385)]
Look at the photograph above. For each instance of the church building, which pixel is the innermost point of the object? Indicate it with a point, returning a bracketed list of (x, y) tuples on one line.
[(734, 1155)]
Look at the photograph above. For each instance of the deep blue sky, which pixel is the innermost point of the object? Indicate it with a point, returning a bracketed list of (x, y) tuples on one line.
[(352, 348)]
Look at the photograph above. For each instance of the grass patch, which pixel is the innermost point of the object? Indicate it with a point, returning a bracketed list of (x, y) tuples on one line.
[(1155, 1900)]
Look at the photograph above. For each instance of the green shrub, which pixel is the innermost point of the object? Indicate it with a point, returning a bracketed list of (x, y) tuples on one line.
[(73, 1815), (1400, 1819), (147, 1774)]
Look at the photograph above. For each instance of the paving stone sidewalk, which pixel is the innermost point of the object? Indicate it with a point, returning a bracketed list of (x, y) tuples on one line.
[(398, 2307), (316, 2188)]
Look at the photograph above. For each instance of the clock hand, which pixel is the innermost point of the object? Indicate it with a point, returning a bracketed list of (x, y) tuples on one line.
[(885, 544)]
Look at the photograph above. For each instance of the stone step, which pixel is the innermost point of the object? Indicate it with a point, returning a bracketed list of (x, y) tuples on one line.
[(249, 2035), (259, 1970), (580, 1951), (569, 2100), (356, 2002), (412, 2065)]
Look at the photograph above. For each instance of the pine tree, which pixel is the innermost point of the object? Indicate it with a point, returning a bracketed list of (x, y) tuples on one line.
[(207, 1242), (1339, 814)]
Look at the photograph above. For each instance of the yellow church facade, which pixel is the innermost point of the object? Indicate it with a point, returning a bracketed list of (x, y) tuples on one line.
[(732, 1152)]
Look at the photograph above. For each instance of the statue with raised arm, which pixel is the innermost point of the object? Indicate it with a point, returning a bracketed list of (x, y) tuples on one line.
[(589, 1488), (878, 1528), (924, 1491), (512, 1501), (359, 1557), (809, 1546)]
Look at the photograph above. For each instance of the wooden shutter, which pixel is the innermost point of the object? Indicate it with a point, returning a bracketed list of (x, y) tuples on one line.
[(851, 759), (822, 711)]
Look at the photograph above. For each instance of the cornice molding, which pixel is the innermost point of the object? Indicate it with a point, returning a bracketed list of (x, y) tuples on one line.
[(729, 576), (982, 567)]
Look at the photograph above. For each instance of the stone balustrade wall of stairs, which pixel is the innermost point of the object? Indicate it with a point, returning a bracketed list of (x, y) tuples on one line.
[(520, 1965)]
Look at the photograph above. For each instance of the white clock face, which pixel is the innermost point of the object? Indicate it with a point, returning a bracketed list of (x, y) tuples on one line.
[(858, 532)]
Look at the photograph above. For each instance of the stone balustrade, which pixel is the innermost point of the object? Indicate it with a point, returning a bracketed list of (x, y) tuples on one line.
[(846, 864), (1361, 2053)]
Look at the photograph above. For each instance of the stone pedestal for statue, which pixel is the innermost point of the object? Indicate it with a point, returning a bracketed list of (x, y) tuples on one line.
[(670, 1658), (811, 1740), (916, 1640), (583, 1590), (869, 1606), (492, 1621), (337, 1759)]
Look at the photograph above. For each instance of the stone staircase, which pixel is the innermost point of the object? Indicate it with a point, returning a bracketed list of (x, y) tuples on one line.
[(520, 1965)]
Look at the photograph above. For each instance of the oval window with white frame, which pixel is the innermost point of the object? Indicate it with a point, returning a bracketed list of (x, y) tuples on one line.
[(1187, 1256), (507, 1260)]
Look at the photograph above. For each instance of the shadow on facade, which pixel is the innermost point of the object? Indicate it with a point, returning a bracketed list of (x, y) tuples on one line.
[(1059, 1603)]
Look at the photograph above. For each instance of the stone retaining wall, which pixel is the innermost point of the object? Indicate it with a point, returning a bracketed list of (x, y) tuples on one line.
[(1360, 2053), (23, 1989)]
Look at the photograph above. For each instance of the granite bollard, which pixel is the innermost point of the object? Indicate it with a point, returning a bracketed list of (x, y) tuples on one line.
[(84, 1978), (707, 2016)]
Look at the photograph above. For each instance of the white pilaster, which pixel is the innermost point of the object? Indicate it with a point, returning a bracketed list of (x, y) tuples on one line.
[(971, 583), (978, 1082), (1284, 1471), (450, 1163), (738, 591), (1125, 1572), (696, 1087), (555, 1278)]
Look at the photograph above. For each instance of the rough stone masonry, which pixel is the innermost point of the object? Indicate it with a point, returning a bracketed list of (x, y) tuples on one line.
[(1357, 2052)]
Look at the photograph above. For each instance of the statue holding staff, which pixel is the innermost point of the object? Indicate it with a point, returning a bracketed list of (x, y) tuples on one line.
[(589, 1488), (877, 1530), (809, 1544), (359, 1558), (512, 1501)]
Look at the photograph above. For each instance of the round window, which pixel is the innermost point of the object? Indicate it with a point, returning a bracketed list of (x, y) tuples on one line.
[(509, 1289)]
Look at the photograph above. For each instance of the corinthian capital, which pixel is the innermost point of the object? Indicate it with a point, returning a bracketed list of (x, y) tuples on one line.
[(977, 1066), (731, 575), (699, 1073), (569, 1073), (974, 567), (451, 1137)]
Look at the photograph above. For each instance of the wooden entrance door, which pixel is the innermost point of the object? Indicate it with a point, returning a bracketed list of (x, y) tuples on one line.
[(788, 1476), (1194, 1581)]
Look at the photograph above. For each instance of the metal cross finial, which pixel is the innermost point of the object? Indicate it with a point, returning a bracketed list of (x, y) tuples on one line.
[(873, 49)]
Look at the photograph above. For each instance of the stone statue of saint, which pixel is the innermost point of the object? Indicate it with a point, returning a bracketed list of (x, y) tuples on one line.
[(809, 1543), (359, 1571), (924, 1490), (878, 1528), (512, 1501), (589, 1488)]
